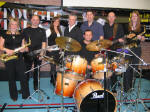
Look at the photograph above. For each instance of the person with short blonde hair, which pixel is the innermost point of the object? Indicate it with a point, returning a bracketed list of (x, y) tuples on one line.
[(9, 42)]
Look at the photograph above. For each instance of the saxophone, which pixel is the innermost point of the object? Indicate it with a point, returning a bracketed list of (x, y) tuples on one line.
[(134, 37), (5, 57)]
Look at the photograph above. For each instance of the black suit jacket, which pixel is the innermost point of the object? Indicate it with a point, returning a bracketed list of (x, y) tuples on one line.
[(75, 33)]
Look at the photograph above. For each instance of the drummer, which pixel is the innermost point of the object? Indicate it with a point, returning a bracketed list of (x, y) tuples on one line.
[(88, 55)]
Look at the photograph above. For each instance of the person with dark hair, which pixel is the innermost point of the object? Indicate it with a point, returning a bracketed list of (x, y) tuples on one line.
[(54, 32), (10, 41), (96, 27), (37, 36), (135, 35), (88, 55)]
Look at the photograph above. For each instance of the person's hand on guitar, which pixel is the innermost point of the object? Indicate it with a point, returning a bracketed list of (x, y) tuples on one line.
[(121, 40), (141, 37)]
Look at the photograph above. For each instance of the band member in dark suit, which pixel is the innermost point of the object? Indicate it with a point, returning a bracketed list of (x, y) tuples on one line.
[(37, 36), (134, 27), (73, 31), (9, 41), (113, 31), (54, 32)]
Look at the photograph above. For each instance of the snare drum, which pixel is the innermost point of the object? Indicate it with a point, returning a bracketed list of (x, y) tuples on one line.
[(76, 64), (99, 67), (89, 97), (68, 85)]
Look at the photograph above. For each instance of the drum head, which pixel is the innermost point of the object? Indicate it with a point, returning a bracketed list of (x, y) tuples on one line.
[(94, 102)]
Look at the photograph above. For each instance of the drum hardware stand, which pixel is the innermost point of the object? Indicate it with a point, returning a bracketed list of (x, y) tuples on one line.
[(105, 94), (139, 88), (63, 71), (39, 91), (139, 83), (123, 73)]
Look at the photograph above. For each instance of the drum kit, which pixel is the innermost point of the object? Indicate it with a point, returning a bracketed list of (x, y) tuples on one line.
[(72, 76)]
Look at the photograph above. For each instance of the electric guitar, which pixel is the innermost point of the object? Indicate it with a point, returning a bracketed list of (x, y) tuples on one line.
[(130, 40), (49, 48)]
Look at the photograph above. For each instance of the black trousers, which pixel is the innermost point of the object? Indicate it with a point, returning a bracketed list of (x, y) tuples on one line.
[(16, 68), (29, 61), (53, 73), (130, 73)]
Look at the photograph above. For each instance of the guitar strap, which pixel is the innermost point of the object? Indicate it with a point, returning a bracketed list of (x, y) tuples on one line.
[(115, 30)]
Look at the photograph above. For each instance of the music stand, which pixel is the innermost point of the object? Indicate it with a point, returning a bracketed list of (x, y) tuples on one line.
[(39, 91)]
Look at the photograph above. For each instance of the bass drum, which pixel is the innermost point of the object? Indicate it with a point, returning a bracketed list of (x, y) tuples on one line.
[(89, 97), (68, 85)]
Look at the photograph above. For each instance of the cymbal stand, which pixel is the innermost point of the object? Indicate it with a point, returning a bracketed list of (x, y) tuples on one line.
[(137, 56), (62, 80), (39, 91), (139, 83), (139, 88), (121, 91), (106, 106)]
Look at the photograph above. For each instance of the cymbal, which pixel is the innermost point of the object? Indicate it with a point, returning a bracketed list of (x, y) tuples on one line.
[(99, 45), (68, 44), (50, 60)]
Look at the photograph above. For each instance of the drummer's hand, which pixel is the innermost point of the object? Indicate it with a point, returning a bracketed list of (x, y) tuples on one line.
[(89, 67), (120, 40)]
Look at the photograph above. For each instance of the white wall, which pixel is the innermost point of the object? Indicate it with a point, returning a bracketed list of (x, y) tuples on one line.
[(129, 4)]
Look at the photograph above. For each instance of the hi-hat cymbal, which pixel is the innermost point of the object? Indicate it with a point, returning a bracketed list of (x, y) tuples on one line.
[(49, 59), (68, 44), (99, 45)]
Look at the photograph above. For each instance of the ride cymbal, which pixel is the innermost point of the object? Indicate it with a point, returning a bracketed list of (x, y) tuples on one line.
[(99, 45)]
